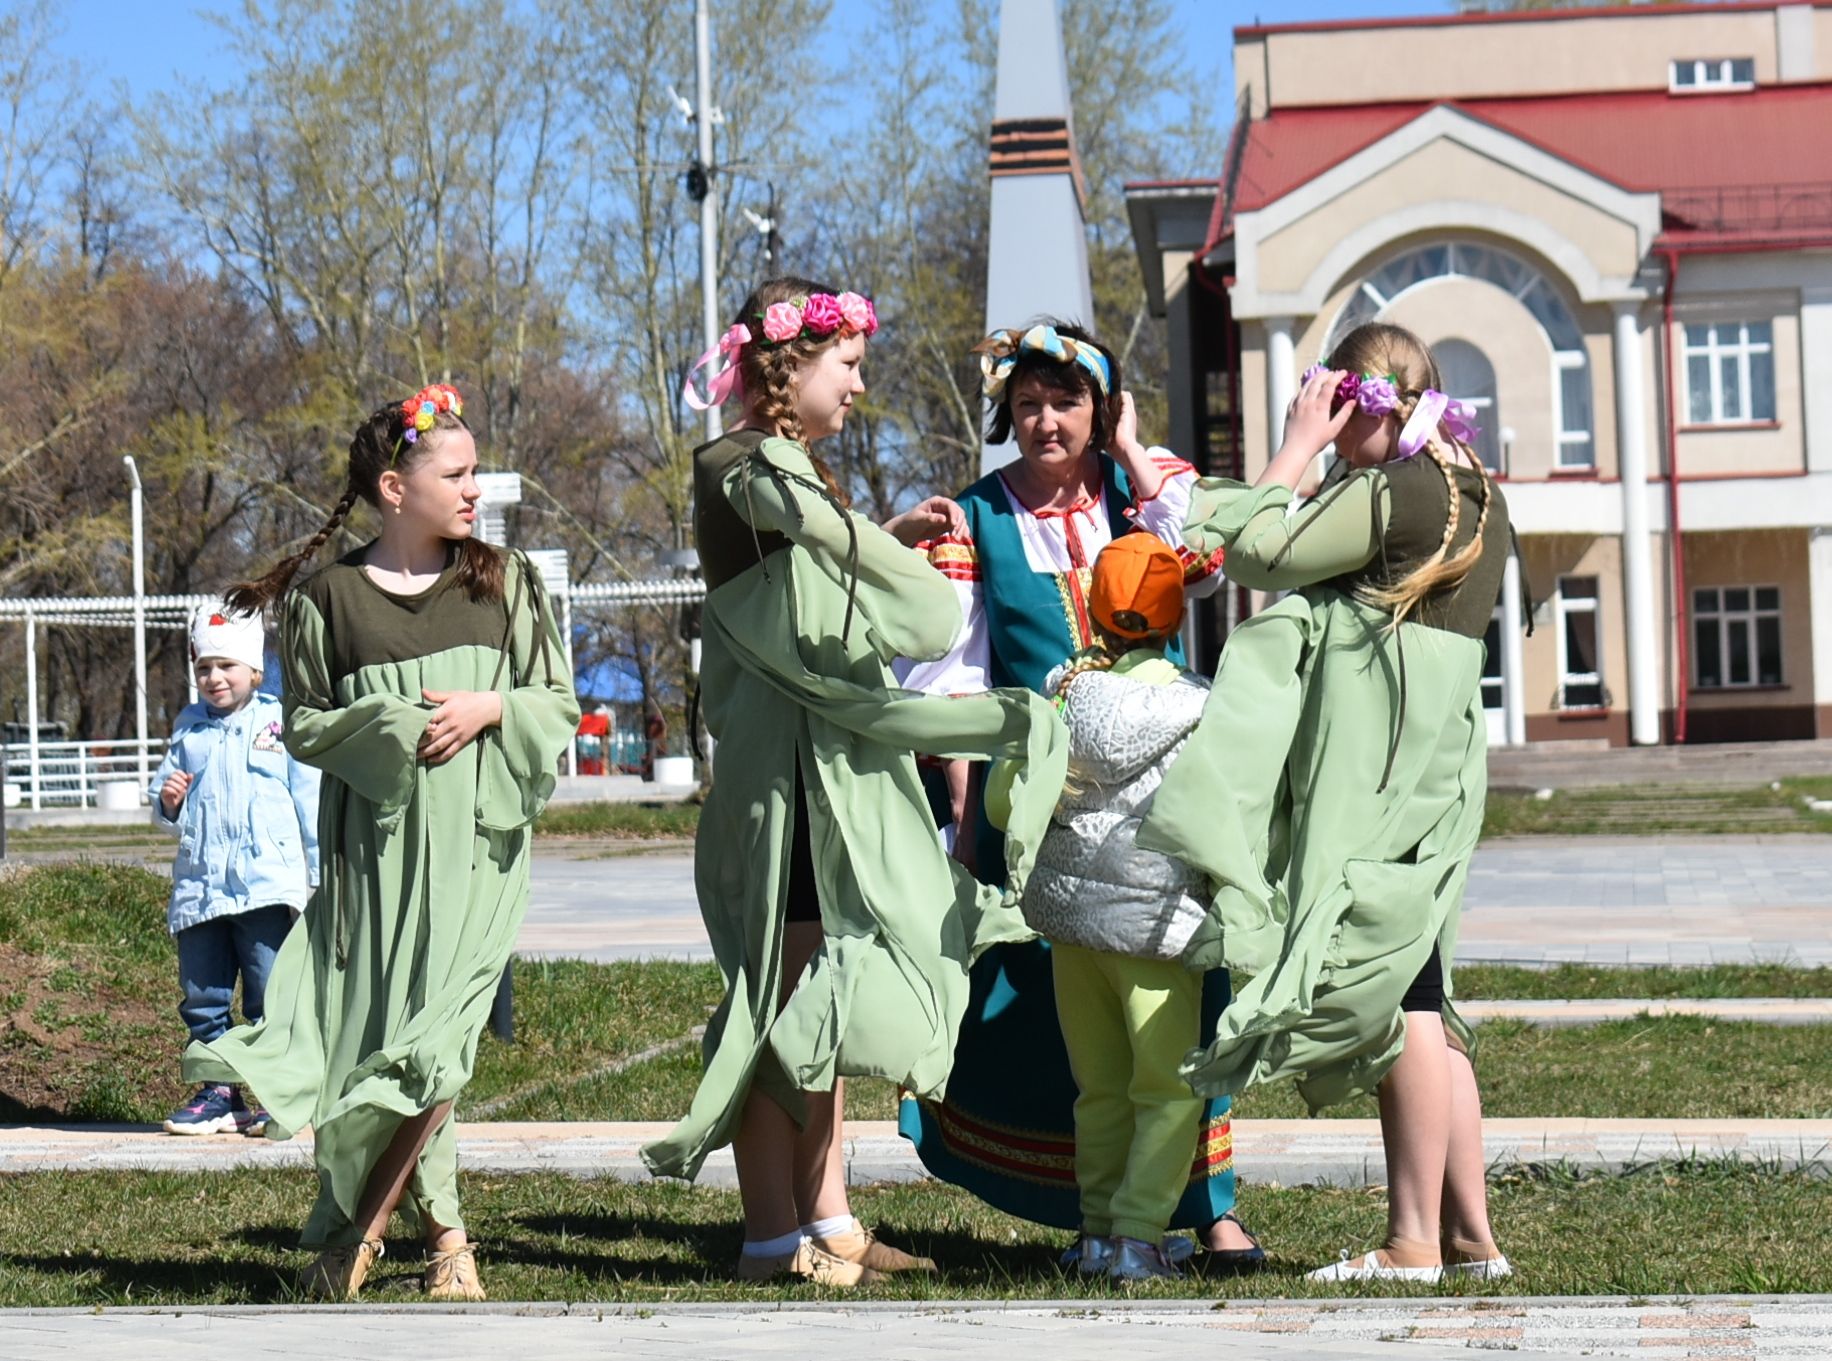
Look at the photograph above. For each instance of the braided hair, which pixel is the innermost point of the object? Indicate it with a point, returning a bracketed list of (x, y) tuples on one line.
[(1379, 348), (377, 446), (768, 371)]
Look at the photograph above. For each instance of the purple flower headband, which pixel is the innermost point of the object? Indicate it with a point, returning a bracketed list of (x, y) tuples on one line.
[(1378, 396)]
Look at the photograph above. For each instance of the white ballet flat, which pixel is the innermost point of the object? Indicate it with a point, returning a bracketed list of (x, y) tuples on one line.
[(1371, 1266)]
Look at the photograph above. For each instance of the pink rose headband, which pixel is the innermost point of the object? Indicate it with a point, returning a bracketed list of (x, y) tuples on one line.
[(1378, 395), (818, 315)]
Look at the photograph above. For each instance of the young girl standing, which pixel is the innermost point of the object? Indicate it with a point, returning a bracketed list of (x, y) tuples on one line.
[(843, 931), (424, 677), (1119, 919), (1334, 790)]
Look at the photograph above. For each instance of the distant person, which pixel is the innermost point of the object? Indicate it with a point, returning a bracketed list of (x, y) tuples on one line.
[(842, 930), (1120, 920), (426, 679), (246, 814), (1333, 792)]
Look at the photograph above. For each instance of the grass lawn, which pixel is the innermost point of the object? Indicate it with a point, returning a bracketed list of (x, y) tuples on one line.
[(227, 1238), (1651, 810)]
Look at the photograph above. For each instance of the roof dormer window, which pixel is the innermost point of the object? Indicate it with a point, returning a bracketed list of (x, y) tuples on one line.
[(1700, 75)]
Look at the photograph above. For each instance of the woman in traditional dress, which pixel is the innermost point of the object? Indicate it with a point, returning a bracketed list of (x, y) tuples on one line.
[(425, 678), (1334, 789), (1021, 566), (842, 929)]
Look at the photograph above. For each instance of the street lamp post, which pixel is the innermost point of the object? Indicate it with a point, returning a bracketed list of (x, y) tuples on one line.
[(139, 518)]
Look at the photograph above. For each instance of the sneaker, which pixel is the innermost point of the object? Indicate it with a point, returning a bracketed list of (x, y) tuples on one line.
[(1134, 1260), (807, 1264), (1494, 1268), (453, 1275), (1091, 1255), (862, 1246), (338, 1273), (1374, 1266), (253, 1121), (212, 1109), (1177, 1249)]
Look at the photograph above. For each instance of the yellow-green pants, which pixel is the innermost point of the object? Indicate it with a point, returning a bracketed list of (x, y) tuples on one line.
[(1128, 1023)]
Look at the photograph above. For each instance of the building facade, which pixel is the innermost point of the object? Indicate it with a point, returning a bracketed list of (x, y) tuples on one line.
[(1614, 228)]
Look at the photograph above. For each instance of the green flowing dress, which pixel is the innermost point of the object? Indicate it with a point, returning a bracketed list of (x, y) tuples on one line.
[(808, 605), (1333, 792), (379, 993)]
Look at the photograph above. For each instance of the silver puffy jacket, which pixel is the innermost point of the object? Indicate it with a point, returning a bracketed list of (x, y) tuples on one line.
[(1092, 886)]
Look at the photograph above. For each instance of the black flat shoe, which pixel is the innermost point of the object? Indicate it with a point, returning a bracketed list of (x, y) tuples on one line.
[(1235, 1259)]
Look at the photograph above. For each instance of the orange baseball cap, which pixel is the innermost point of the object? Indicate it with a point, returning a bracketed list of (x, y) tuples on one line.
[(1138, 587)]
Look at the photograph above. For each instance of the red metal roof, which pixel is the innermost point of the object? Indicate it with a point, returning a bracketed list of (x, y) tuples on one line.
[(1757, 161)]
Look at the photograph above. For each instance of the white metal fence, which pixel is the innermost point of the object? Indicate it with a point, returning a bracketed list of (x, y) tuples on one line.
[(80, 774)]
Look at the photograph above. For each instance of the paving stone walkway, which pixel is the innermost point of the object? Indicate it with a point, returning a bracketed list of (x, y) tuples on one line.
[(1599, 900), (1725, 1328), (1275, 1152)]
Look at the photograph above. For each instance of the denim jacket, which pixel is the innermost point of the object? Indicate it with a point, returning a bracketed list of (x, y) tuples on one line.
[(248, 826)]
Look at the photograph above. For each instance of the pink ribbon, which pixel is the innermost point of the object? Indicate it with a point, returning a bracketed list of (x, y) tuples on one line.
[(726, 382), (1424, 420)]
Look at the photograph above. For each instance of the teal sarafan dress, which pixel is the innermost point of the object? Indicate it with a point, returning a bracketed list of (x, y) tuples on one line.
[(380, 992), (1333, 791), (1006, 1131)]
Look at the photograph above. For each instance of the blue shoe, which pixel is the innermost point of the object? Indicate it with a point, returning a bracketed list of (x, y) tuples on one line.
[(1091, 1255), (251, 1121), (213, 1109)]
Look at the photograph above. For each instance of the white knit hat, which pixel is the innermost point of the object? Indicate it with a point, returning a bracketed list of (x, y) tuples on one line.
[(218, 631)]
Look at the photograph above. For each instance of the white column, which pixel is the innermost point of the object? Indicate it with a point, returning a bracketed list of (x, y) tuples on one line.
[(138, 502), (1637, 542), (1819, 616), (1513, 663), (31, 705), (1281, 379), (1816, 375)]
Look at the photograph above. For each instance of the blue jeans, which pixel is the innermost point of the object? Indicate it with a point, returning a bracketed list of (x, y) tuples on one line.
[(210, 955)]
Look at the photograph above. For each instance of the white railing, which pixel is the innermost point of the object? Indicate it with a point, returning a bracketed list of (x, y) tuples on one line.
[(73, 774)]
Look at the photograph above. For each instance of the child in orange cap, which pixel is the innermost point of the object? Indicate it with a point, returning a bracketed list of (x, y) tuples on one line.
[(1119, 918)]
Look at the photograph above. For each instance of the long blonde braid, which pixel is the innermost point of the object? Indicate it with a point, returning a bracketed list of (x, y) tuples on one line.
[(769, 370)]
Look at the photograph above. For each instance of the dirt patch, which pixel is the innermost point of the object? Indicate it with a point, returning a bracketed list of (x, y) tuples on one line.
[(80, 1040)]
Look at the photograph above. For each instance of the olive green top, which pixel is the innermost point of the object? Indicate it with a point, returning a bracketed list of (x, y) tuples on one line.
[(727, 542)]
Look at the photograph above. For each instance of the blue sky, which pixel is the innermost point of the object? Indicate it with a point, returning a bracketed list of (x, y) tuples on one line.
[(147, 42)]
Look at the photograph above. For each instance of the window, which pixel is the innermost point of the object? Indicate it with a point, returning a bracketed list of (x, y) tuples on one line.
[(1514, 276), (1730, 372), (1689, 75), (1736, 636), (1469, 376), (1580, 660), (1493, 687)]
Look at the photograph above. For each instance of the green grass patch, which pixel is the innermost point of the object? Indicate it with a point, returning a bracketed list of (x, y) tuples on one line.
[(1582, 981), (630, 821), (1648, 810), (227, 1238)]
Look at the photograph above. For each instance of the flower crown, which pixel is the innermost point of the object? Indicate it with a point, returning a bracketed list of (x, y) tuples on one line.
[(816, 314), (1378, 395), (420, 411), (999, 353)]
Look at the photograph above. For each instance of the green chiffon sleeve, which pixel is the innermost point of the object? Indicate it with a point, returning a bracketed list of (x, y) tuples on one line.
[(371, 744), (540, 709), (912, 610), (1267, 549)]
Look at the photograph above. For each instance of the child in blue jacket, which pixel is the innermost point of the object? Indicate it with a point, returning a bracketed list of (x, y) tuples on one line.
[(247, 820)]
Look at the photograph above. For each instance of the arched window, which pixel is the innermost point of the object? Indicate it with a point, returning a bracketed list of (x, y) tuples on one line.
[(1490, 265), (1468, 376)]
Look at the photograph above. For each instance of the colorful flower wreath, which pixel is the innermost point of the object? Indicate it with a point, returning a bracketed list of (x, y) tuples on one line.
[(420, 411), (1378, 395)]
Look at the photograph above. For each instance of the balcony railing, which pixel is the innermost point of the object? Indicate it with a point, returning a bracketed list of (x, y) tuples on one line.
[(1749, 207)]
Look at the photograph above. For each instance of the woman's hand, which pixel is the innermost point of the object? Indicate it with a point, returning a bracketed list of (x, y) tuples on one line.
[(1134, 457), (460, 716), (927, 520)]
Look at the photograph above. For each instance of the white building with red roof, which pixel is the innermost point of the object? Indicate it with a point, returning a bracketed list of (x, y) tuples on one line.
[(1614, 228)]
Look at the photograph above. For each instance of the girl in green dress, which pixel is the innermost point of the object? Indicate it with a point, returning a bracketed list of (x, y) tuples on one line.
[(425, 678), (1333, 792), (844, 932)]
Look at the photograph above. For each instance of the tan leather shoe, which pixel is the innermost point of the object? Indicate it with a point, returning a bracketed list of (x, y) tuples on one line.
[(453, 1275), (809, 1264), (338, 1273), (862, 1246)]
